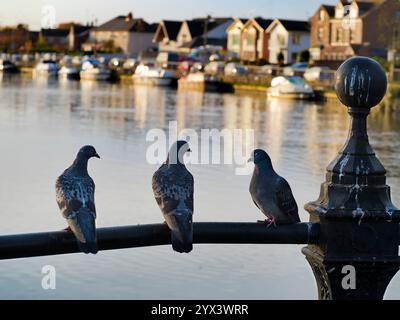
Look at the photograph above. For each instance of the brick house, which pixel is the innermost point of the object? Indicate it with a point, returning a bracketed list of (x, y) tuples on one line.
[(356, 28), (254, 40)]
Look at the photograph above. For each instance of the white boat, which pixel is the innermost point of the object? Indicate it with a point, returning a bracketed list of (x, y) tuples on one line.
[(46, 68), (69, 72), (94, 70), (202, 82), (146, 75), (290, 87)]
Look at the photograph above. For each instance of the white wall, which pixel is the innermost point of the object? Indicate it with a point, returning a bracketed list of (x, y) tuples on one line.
[(282, 41), (278, 42), (304, 44)]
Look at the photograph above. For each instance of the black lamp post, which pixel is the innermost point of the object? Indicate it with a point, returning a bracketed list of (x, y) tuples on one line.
[(357, 253)]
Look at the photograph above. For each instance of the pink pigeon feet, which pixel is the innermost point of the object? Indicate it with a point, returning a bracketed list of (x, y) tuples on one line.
[(68, 229), (268, 222)]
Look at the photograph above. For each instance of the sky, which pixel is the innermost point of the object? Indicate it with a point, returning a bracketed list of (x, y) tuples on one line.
[(34, 12)]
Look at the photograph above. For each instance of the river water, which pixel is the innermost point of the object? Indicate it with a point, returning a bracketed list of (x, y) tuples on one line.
[(44, 122)]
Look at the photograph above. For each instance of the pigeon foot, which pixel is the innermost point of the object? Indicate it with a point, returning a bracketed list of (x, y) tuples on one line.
[(68, 229)]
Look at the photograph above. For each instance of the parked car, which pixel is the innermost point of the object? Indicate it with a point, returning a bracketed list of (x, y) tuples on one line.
[(216, 67), (296, 69), (318, 74), (234, 68)]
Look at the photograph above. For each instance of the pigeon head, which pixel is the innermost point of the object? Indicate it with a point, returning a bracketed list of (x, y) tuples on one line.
[(177, 152), (87, 152), (259, 156)]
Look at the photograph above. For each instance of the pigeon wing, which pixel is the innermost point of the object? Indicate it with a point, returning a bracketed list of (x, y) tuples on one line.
[(286, 201), (71, 196), (171, 189)]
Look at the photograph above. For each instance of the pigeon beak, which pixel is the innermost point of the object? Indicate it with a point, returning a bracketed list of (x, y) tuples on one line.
[(189, 150), (97, 156), (250, 160)]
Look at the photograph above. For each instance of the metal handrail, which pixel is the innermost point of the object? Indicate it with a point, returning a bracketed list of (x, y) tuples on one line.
[(63, 242)]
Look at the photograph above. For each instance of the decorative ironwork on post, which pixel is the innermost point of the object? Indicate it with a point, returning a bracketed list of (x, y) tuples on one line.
[(357, 254)]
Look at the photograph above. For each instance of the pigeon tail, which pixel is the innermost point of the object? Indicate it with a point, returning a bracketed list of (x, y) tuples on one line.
[(181, 227), (180, 246), (84, 228), (88, 247)]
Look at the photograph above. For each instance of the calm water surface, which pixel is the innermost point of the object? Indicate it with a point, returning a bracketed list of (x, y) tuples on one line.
[(43, 124)]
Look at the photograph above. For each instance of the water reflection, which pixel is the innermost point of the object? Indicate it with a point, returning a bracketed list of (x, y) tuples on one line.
[(43, 123)]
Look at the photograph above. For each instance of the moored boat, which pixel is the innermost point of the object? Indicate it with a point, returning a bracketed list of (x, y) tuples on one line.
[(290, 87), (145, 75), (94, 70)]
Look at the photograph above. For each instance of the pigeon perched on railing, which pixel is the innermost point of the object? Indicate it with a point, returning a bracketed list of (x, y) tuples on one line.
[(75, 198), (271, 193), (173, 188)]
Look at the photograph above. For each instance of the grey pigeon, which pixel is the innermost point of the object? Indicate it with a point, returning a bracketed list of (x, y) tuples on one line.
[(75, 198), (173, 188), (271, 193)]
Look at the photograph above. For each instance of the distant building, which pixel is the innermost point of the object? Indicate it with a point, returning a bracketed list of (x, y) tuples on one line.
[(177, 36), (17, 38), (167, 34), (254, 40), (288, 37), (357, 28), (55, 38), (77, 36), (125, 33), (234, 32)]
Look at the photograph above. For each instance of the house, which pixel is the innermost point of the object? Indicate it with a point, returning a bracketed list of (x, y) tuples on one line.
[(357, 28), (234, 32), (183, 36), (17, 38), (167, 34), (289, 38), (123, 33), (254, 40), (320, 33), (78, 35), (203, 31), (56, 38)]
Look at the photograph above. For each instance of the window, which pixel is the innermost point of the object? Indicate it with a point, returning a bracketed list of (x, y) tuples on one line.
[(251, 39), (235, 39), (339, 35), (295, 38), (320, 34)]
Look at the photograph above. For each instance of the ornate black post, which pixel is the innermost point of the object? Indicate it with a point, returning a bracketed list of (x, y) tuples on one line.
[(357, 254)]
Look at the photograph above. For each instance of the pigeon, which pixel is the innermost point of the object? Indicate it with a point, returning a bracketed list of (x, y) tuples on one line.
[(75, 198), (271, 193), (173, 188)]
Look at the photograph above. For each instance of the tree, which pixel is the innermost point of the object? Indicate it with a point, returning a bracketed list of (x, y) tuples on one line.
[(281, 58), (304, 56)]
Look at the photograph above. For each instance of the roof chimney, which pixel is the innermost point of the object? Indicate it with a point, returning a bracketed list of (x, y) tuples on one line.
[(129, 17)]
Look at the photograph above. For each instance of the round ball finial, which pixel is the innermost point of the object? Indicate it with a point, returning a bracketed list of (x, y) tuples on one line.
[(360, 82)]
